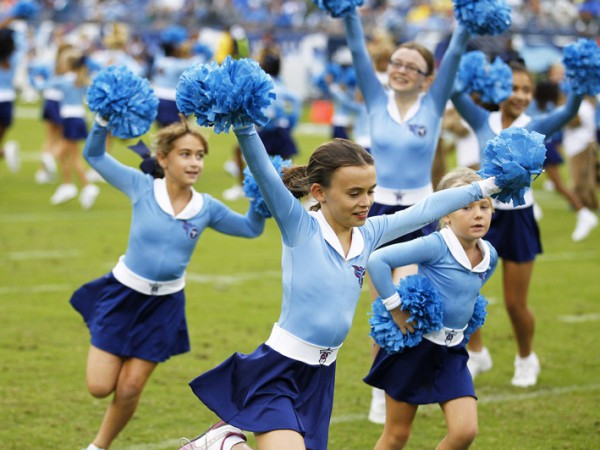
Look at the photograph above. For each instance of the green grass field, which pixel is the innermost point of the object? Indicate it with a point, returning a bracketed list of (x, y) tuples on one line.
[(233, 290)]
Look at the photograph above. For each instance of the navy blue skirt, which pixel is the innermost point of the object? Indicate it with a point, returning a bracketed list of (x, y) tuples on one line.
[(130, 324), (278, 141), (74, 128), (167, 112), (339, 132), (377, 209), (553, 156), (51, 111), (427, 373), (515, 234), (266, 391), (6, 113)]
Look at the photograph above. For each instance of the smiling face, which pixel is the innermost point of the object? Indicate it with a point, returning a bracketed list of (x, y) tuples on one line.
[(407, 71), (185, 162), (345, 203), (521, 96), (471, 222)]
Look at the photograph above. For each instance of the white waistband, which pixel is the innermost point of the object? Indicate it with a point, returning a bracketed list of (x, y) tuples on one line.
[(70, 111), (149, 287), (164, 93), (448, 337), (527, 196), (53, 94), (403, 197), (7, 95), (295, 348)]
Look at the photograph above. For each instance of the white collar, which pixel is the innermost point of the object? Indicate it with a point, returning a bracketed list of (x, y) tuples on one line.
[(356, 246), (495, 121), (458, 252), (162, 198), (412, 111)]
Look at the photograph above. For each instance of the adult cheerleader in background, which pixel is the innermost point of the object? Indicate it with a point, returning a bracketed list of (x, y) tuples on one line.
[(405, 120), (514, 231), (136, 313)]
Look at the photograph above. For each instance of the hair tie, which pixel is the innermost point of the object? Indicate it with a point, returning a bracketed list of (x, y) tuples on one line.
[(149, 164)]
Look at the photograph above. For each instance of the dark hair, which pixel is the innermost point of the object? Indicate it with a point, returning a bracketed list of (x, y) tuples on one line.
[(271, 64), (7, 43), (322, 164), (546, 92), (423, 51)]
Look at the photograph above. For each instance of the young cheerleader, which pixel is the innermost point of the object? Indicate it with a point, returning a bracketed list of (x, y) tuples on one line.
[(135, 313), (457, 262)]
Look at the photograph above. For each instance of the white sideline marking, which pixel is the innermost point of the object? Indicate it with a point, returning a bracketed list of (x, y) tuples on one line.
[(39, 289), (568, 256), (41, 254), (580, 318), (230, 279), (500, 398), (63, 216)]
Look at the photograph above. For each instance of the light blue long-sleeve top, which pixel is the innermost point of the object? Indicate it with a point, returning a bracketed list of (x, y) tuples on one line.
[(441, 259), (403, 149), (360, 116), (7, 74), (285, 110), (161, 244), (166, 73), (488, 125), (322, 285)]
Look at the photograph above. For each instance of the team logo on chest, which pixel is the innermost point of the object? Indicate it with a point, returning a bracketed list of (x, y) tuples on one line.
[(190, 230), (359, 272), (417, 130)]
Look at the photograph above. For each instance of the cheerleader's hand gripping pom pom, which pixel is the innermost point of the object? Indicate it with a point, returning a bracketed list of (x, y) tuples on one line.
[(235, 93), (582, 67), (124, 99), (483, 16), (253, 192), (420, 298), (25, 9), (478, 318), (338, 8), (513, 158)]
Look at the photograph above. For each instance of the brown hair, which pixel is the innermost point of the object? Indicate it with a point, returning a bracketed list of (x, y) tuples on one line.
[(322, 164), (423, 51)]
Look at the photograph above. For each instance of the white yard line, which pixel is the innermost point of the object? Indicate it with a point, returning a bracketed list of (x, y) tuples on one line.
[(592, 317)]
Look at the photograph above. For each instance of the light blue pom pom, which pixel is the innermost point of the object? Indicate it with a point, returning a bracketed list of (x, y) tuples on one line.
[(513, 157), (483, 16), (253, 192), (236, 94), (471, 70), (420, 298), (582, 67), (202, 50), (478, 318), (126, 100), (25, 9), (499, 82), (338, 8), (174, 35)]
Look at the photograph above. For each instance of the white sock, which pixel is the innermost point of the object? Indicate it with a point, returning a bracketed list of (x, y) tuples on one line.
[(378, 394), (231, 441)]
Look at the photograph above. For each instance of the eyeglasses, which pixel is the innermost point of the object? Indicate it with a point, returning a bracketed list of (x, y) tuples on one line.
[(414, 70)]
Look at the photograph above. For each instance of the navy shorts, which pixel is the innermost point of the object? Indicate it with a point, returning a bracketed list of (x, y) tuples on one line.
[(514, 233), (167, 112), (266, 391), (553, 156), (130, 324), (51, 112), (278, 141), (377, 209), (6, 114), (340, 132), (74, 128), (427, 373)]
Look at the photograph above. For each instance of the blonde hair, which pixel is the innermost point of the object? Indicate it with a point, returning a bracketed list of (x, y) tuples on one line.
[(461, 176)]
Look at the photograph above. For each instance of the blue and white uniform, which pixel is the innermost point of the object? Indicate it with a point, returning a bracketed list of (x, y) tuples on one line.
[(287, 383), (53, 97), (72, 109), (137, 310), (283, 113), (509, 221), (436, 369), (403, 147), (361, 133), (8, 94)]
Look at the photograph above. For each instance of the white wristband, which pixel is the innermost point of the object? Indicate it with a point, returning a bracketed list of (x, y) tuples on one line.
[(101, 121), (488, 186), (391, 302)]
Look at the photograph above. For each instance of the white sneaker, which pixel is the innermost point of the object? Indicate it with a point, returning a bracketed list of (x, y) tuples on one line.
[(233, 193), (377, 410), (94, 177), (214, 438), (538, 214), (479, 362), (549, 186), (232, 168), (49, 163), (88, 195), (12, 155), (42, 176), (586, 222), (64, 193), (526, 371)]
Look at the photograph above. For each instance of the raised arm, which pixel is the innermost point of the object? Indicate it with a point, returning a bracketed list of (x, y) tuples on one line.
[(558, 118), (473, 114)]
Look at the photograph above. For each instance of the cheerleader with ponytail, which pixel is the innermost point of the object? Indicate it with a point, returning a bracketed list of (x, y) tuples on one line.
[(136, 313)]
